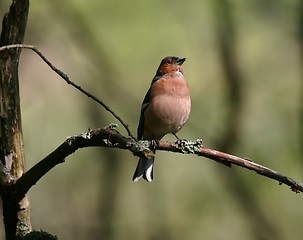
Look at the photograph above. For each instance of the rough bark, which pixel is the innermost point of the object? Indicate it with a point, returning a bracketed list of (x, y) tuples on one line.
[(16, 213)]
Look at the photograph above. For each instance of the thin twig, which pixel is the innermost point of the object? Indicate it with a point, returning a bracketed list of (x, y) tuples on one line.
[(66, 78), (109, 137)]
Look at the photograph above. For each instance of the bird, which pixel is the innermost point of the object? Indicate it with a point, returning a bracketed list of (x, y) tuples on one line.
[(165, 109)]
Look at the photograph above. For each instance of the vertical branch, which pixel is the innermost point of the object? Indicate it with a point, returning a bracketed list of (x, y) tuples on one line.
[(110, 168), (16, 214), (300, 25), (234, 83), (228, 56)]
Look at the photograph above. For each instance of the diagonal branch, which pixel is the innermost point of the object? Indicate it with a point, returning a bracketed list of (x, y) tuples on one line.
[(109, 137), (228, 159), (68, 81), (105, 137)]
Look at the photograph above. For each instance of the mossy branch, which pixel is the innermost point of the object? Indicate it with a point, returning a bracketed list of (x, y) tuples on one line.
[(110, 137)]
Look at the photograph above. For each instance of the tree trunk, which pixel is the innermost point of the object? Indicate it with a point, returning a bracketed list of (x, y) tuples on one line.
[(16, 214)]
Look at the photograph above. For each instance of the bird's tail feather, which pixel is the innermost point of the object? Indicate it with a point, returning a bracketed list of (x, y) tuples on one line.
[(144, 170)]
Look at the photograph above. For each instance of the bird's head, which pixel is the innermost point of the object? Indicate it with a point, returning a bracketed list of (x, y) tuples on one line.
[(171, 64)]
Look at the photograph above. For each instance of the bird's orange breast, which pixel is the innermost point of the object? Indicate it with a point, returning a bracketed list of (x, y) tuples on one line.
[(169, 107)]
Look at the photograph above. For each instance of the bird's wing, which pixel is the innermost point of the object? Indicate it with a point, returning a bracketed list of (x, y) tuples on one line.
[(144, 106)]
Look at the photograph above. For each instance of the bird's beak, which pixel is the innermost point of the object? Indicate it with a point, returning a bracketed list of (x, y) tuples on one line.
[(180, 61)]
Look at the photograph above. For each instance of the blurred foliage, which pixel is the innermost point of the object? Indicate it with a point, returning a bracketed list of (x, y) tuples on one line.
[(113, 48)]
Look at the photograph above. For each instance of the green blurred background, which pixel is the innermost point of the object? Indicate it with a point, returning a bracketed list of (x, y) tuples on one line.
[(244, 67)]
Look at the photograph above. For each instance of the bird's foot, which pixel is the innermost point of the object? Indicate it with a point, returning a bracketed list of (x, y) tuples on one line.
[(153, 144)]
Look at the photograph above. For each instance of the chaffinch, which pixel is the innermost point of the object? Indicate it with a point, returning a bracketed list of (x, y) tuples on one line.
[(165, 109)]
